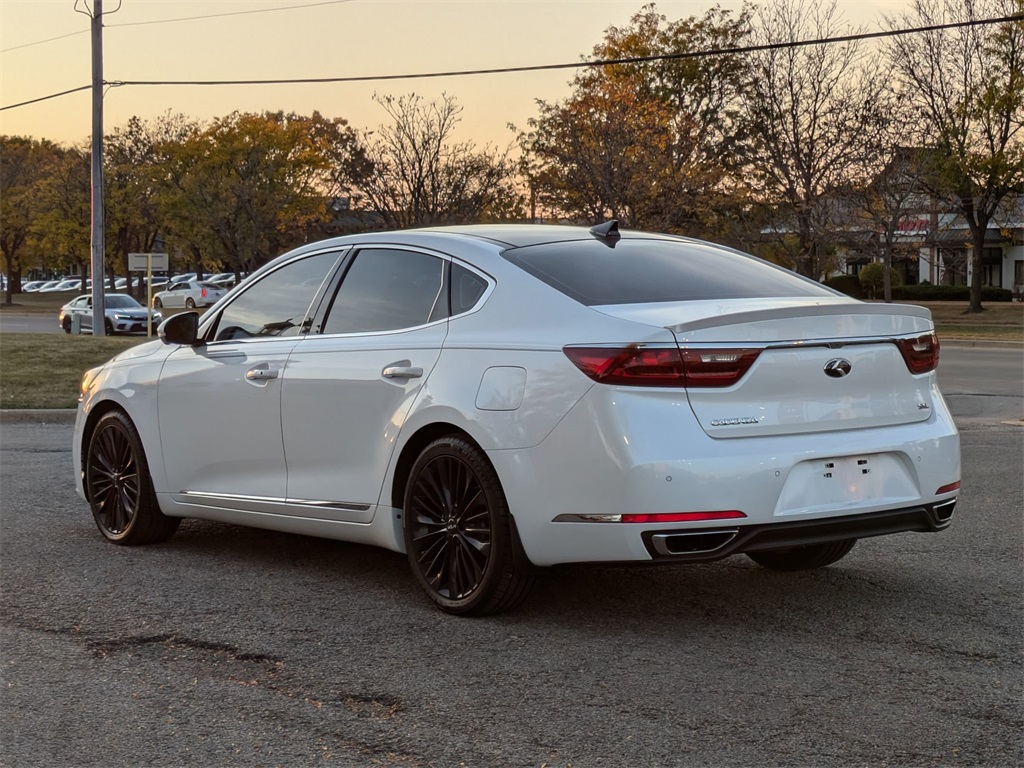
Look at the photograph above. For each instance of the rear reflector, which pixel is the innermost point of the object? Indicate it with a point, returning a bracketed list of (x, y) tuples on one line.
[(683, 517), (947, 488), (663, 366), (663, 517), (921, 354)]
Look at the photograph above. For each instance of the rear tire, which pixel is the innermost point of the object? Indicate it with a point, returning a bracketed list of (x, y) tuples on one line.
[(190, 303), (459, 536), (803, 558), (119, 486)]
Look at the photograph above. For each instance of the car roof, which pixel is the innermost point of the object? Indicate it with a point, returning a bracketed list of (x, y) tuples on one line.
[(522, 235)]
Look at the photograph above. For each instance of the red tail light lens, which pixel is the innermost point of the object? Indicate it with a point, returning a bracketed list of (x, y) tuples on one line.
[(631, 366), (663, 367), (921, 354), (947, 488), (204, 293), (683, 517)]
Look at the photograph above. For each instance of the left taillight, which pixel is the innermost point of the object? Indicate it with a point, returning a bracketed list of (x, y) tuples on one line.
[(638, 366), (921, 354)]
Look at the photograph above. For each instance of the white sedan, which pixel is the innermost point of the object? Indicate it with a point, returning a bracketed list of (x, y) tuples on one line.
[(122, 314), (494, 400), (189, 294)]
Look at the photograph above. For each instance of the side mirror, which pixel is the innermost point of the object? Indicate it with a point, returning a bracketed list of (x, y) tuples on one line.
[(182, 329)]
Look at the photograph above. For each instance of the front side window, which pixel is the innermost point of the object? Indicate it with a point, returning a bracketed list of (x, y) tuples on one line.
[(387, 290), (277, 304)]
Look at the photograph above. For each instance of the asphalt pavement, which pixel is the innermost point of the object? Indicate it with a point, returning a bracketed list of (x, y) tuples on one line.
[(229, 646)]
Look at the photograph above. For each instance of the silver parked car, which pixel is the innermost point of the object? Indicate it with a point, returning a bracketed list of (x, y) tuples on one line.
[(190, 294), (122, 313)]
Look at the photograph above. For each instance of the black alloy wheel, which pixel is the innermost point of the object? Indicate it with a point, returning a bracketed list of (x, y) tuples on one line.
[(459, 535), (118, 485)]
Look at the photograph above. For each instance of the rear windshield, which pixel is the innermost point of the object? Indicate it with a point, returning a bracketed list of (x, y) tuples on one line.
[(639, 271)]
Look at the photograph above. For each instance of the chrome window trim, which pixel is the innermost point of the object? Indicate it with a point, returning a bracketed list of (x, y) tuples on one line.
[(210, 318)]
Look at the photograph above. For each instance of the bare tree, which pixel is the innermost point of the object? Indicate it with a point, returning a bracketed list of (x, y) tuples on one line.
[(413, 174), (966, 87), (809, 109)]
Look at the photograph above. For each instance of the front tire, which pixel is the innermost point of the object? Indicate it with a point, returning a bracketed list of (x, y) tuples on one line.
[(803, 558), (459, 535), (157, 304), (119, 486), (66, 325), (109, 326)]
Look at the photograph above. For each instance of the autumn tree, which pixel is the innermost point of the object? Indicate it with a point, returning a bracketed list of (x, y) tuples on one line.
[(62, 226), (131, 211), (964, 89), (653, 143), (413, 173), (250, 185), (808, 109), (25, 165)]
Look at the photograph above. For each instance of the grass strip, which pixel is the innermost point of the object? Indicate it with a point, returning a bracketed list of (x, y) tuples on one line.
[(44, 370)]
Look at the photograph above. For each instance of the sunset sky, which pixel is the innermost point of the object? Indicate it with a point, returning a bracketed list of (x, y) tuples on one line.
[(310, 38)]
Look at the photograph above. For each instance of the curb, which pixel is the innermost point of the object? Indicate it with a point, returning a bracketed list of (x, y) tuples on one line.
[(981, 343), (38, 416)]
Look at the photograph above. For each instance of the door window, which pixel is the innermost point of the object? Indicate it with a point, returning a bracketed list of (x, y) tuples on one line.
[(277, 304), (387, 290)]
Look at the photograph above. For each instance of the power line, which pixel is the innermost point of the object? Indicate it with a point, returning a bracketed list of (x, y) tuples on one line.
[(171, 21), (47, 40), (549, 67), (232, 13), (46, 98), (585, 64)]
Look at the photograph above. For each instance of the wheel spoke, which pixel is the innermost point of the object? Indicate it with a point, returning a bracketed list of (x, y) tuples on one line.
[(113, 479), (450, 528)]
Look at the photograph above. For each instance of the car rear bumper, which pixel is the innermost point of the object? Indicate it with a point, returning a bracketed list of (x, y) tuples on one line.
[(706, 544), (648, 456)]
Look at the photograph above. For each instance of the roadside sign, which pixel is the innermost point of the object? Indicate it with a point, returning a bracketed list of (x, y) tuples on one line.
[(142, 262)]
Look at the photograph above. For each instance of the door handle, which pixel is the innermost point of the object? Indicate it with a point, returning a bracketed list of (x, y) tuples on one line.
[(261, 374), (401, 372)]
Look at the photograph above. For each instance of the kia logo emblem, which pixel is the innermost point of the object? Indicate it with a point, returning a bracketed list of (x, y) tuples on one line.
[(837, 367)]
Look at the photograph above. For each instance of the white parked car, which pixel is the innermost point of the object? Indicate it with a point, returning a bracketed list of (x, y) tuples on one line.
[(492, 400), (189, 293), (122, 313)]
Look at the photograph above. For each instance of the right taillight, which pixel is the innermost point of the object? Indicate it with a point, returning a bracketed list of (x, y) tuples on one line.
[(638, 366), (921, 354)]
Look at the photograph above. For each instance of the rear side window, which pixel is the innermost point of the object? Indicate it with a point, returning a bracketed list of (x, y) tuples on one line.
[(467, 288), (387, 290), (639, 271)]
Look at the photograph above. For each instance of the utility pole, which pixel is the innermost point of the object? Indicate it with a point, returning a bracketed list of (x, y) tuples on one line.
[(98, 243)]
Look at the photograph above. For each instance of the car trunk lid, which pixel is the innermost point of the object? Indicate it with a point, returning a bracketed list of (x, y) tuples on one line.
[(817, 365)]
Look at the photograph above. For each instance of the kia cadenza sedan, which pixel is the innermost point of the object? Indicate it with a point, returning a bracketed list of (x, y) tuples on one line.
[(494, 400)]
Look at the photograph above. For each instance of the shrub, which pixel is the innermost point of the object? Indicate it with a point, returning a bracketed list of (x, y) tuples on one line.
[(926, 292), (848, 284), (872, 278)]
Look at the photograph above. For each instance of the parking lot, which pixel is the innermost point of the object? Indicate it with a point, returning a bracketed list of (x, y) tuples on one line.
[(238, 647)]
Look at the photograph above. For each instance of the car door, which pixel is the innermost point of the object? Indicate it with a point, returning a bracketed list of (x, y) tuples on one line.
[(82, 307), (219, 403), (352, 381)]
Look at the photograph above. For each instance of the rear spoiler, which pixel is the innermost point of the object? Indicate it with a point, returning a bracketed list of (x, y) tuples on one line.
[(785, 313)]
